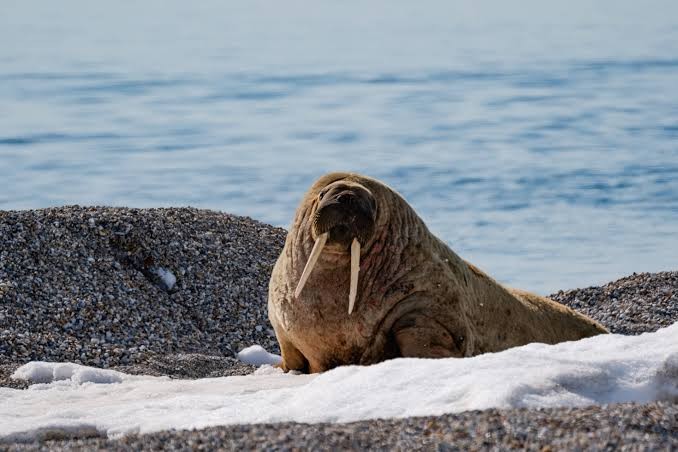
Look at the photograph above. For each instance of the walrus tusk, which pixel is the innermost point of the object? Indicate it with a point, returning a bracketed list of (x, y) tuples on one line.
[(312, 259), (355, 269)]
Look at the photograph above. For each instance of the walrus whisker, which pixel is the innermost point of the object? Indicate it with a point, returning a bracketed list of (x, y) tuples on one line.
[(312, 259), (355, 269)]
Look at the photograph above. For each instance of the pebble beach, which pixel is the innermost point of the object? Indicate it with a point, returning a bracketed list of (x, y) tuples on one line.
[(179, 291)]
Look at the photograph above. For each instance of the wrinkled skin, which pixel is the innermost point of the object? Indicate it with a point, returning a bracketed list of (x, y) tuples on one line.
[(415, 298)]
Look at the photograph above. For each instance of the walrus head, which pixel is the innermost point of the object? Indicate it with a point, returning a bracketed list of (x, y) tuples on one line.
[(347, 212), (344, 219)]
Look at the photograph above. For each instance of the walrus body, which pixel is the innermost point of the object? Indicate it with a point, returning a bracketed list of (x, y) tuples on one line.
[(414, 296)]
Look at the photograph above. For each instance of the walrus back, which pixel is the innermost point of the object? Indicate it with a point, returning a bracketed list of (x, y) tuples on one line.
[(570, 324), (486, 302), (513, 317)]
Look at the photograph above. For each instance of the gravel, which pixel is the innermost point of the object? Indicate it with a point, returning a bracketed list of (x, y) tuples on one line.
[(84, 284), (179, 291), (636, 304), (651, 426)]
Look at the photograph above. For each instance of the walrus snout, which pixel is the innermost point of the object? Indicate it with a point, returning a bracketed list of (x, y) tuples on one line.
[(345, 213)]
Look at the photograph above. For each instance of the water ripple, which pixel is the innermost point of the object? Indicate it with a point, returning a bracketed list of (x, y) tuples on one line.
[(530, 150)]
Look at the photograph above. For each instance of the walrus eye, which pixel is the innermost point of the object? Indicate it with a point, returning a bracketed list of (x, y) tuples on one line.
[(321, 195)]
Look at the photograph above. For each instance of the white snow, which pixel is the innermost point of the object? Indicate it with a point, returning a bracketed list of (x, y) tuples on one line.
[(167, 277), (258, 356), (598, 370), (42, 372)]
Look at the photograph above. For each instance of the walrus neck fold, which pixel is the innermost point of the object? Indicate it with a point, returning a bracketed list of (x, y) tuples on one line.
[(318, 247)]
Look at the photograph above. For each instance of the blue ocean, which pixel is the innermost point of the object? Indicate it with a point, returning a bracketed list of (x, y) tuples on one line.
[(538, 139)]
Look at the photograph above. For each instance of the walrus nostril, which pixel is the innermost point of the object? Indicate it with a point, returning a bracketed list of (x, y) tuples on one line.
[(341, 229), (345, 197)]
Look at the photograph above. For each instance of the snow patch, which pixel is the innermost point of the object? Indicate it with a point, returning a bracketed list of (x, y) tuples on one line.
[(44, 372), (256, 355), (598, 370), (166, 276)]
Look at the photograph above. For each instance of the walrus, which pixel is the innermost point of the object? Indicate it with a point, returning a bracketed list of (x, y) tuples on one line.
[(361, 280)]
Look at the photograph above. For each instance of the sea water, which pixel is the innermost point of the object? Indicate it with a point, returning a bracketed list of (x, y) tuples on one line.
[(538, 139)]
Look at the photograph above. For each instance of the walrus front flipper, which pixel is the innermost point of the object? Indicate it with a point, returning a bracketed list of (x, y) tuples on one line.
[(292, 359), (420, 336)]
